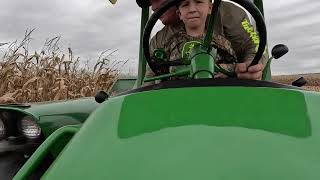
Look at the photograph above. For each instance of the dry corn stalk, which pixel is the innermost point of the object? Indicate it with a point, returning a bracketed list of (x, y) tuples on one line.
[(50, 75)]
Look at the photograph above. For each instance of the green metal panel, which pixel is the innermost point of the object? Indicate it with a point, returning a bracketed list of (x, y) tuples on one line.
[(266, 74), (75, 106), (44, 149), (202, 62), (198, 133), (142, 60)]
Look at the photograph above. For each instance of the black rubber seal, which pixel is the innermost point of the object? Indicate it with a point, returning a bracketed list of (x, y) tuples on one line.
[(229, 82)]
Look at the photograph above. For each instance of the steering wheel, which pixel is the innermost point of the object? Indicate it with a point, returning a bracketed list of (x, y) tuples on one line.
[(157, 67)]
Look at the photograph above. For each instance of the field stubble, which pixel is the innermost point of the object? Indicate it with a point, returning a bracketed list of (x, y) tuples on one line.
[(313, 80)]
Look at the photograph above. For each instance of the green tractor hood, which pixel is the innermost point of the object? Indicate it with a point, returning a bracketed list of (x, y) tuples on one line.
[(197, 133)]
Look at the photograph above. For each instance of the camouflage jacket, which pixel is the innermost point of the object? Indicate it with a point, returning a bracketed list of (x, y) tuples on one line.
[(177, 43), (233, 33)]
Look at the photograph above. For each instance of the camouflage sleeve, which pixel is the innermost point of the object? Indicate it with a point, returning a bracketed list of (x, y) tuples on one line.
[(156, 42), (149, 72), (240, 32), (153, 46)]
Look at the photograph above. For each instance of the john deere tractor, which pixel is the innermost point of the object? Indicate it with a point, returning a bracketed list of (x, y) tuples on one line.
[(195, 128)]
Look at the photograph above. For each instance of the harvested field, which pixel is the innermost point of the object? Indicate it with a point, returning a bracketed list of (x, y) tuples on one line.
[(313, 80)]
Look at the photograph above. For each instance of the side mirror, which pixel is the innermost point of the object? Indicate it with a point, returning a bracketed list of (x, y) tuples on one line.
[(279, 50), (101, 96), (299, 82)]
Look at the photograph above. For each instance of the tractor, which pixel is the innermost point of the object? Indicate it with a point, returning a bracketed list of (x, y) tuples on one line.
[(195, 128)]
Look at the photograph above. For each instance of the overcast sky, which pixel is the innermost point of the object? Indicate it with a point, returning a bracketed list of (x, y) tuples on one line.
[(92, 26)]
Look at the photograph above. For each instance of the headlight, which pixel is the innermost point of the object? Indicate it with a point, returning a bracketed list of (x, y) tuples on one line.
[(29, 128), (2, 130)]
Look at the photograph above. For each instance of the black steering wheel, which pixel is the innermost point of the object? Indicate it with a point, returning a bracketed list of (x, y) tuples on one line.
[(157, 67)]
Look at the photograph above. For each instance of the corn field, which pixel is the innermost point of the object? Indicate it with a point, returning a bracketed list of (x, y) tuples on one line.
[(51, 75)]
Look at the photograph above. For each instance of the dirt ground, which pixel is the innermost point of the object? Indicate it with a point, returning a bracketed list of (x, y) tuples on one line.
[(313, 80)]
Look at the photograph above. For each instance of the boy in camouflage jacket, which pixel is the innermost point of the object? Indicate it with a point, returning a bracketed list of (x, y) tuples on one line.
[(232, 24)]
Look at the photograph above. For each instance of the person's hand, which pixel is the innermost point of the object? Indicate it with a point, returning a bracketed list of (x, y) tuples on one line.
[(253, 72), (220, 75), (228, 67)]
